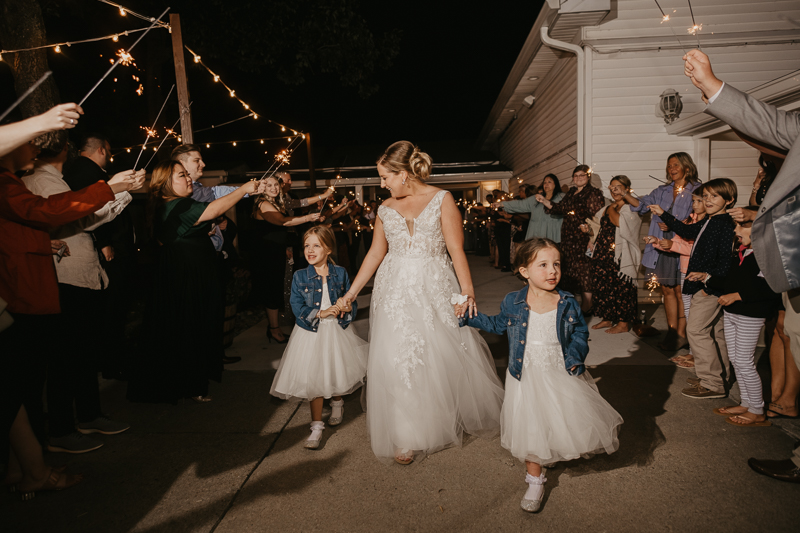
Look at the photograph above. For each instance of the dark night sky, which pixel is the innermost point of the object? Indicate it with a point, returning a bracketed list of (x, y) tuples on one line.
[(452, 64)]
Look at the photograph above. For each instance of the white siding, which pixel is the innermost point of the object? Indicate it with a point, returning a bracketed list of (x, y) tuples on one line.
[(548, 127), (627, 137), (642, 19), (738, 161)]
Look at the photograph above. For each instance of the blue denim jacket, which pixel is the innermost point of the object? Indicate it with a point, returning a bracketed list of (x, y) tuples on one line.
[(307, 295), (573, 334)]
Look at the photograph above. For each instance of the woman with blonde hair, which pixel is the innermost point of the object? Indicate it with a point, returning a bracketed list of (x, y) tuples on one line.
[(273, 220), (183, 322), (429, 381), (675, 197)]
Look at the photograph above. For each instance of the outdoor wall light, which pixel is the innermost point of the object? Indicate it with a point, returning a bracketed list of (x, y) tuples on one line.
[(669, 106), (529, 100)]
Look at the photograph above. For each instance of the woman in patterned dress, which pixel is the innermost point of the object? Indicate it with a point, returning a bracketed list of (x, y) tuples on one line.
[(581, 202)]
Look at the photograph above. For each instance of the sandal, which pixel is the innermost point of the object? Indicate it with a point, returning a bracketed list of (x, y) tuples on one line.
[(56, 481), (773, 414), (686, 363), (742, 421), (12, 486), (723, 411), (678, 358), (404, 456)]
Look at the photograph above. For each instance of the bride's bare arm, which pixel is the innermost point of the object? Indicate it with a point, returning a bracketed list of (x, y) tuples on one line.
[(453, 231), (372, 261)]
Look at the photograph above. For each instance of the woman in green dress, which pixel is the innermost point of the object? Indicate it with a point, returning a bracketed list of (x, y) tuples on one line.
[(541, 224), (183, 321)]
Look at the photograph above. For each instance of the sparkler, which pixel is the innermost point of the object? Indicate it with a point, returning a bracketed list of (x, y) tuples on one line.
[(152, 131), (170, 131), (125, 58), (333, 189), (119, 60), (26, 94)]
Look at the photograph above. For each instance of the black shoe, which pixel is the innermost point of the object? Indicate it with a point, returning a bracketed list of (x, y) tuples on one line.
[(228, 360), (270, 336), (784, 470)]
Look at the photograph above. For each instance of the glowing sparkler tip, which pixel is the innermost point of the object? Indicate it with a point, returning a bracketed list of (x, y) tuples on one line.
[(694, 29), (125, 58), (664, 19)]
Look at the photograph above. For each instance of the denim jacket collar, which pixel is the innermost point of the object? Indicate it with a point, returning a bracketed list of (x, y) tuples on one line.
[(521, 296), (311, 272)]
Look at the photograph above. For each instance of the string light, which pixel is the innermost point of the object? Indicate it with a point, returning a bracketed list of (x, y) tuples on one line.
[(58, 51), (122, 11), (115, 38), (196, 59)]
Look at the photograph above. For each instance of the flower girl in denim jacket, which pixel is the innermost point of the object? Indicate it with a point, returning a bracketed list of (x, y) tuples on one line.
[(552, 410), (324, 359)]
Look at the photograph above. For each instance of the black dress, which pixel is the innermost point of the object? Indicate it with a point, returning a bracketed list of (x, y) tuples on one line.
[(183, 348), (269, 262)]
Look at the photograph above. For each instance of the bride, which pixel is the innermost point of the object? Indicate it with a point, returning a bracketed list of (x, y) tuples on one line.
[(429, 380)]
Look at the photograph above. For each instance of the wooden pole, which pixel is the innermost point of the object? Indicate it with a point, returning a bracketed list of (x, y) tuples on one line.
[(312, 180), (180, 79)]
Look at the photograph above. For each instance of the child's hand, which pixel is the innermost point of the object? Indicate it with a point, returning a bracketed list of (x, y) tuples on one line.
[(665, 244), (656, 209), (727, 299), (696, 276)]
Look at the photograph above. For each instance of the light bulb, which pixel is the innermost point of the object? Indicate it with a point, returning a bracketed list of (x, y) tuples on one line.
[(255, 116), (196, 59), (262, 141), (208, 145), (216, 78), (304, 136), (58, 50), (155, 149), (129, 150), (232, 93), (115, 38), (112, 159), (234, 143), (122, 11), (283, 128), (246, 106)]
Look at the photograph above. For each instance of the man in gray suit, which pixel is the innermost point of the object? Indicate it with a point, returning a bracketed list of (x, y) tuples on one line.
[(775, 234)]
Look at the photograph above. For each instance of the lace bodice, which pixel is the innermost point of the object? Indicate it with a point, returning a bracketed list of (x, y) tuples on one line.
[(420, 237), (542, 348)]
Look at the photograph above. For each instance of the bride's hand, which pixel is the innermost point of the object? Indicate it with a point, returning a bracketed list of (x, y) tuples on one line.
[(468, 306)]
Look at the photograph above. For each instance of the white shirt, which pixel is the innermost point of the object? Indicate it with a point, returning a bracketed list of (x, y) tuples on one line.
[(82, 267)]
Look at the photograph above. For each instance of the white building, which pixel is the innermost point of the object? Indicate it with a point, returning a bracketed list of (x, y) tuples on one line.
[(589, 77)]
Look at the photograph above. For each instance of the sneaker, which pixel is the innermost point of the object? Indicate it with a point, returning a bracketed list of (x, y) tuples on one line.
[(103, 425), (699, 392), (73, 443)]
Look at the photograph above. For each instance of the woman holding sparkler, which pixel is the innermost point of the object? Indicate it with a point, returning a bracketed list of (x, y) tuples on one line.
[(675, 197)]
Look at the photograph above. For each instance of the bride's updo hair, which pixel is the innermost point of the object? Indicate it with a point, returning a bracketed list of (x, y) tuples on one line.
[(403, 155)]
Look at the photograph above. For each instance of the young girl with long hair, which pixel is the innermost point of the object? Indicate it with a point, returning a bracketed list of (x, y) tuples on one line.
[(324, 358)]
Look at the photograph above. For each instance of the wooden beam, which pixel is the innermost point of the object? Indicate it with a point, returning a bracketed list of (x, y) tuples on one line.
[(180, 79)]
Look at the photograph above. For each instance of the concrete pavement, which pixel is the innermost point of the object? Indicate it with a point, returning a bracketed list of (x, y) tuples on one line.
[(237, 463)]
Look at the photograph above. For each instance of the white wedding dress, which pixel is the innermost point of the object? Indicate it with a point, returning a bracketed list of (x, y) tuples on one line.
[(428, 380)]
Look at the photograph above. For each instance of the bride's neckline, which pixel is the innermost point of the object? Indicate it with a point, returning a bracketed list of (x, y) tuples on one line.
[(418, 214)]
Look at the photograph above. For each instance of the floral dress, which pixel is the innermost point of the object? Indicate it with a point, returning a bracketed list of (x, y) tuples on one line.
[(576, 207), (615, 296)]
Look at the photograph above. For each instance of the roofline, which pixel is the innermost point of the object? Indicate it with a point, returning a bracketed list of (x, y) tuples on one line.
[(529, 50)]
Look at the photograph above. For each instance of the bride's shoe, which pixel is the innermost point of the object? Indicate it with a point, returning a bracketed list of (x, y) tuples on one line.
[(337, 413), (312, 443), (532, 500), (404, 456)]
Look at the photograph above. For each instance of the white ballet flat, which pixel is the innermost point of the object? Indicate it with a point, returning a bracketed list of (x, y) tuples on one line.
[(337, 413), (312, 443), (531, 505)]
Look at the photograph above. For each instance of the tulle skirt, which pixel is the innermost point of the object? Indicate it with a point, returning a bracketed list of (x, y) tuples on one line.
[(551, 416), (330, 362), (429, 380)]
